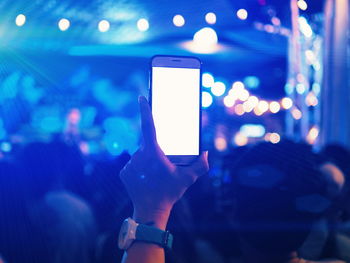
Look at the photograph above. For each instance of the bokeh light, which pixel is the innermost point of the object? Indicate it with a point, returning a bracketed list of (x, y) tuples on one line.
[(207, 99), (302, 5), (63, 24), (253, 101), (179, 20), (274, 107), (239, 110), (218, 88), (240, 139), (311, 99), (312, 135), (297, 114), (242, 14), (275, 138), (205, 37), (210, 18), (247, 106), (207, 80), (20, 20), (263, 106), (287, 103), (220, 144), (143, 24), (229, 101), (103, 26)]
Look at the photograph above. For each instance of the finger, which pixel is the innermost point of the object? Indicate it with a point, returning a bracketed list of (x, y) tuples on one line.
[(147, 124)]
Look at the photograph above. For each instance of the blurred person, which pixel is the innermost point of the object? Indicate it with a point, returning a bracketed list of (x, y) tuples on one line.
[(65, 220), (280, 192)]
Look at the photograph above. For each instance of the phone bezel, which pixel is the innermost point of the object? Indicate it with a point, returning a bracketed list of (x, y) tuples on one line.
[(179, 62)]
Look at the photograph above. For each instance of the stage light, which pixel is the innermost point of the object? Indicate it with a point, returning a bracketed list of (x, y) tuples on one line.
[(304, 26), (179, 20), (210, 18), (229, 101), (20, 20), (302, 5), (276, 21), (207, 80), (288, 88), (287, 103), (143, 24), (269, 28), (238, 85), (310, 56), (103, 26), (63, 24), (240, 139), (312, 135), (253, 101), (275, 107), (220, 144), (242, 14), (239, 109), (275, 138), (205, 37), (252, 130), (218, 88), (296, 114), (257, 111), (207, 99), (300, 88), (263, 106)]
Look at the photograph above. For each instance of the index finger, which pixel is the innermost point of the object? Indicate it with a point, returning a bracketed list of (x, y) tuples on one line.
[(147, 124)]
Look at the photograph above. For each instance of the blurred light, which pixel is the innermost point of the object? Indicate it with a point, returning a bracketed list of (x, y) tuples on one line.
[(103, 26), (238, 85), (207, 80), (296, 114), (74, 116), (288, 88), (247, 107), (276, 21), (312, 135), (310, 56), (252, 130), (300, 78), (287, 103), (251, 82), (311, 99), (218, 88), (207, 99), (275, 107), (220, 144), (63, 24), (179, 20), (143, 24), (239, 109), (205, 38), (300, 88), (6, 147), (257, 111), (275, 138), (304, 26), (316, 65), (243, 95), (242, 14), (269, 28), (240, 139), (316, 88), (84, 148), (20, 20), (229, 101), (263, 106), (210, 18), (253, 101), (302, 5)]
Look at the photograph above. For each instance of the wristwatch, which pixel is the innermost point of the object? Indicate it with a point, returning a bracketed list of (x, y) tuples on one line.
[(132, 231)]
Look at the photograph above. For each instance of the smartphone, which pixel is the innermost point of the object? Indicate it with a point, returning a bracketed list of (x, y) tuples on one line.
[(175, 98)]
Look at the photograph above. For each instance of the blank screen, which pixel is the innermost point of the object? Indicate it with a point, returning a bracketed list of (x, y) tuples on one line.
[(175, 108)]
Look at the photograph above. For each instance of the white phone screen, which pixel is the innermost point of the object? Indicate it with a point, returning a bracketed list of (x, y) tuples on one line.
[(176, 109)]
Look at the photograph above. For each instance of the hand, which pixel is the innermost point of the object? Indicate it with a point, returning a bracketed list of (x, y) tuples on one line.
[(154, 184)]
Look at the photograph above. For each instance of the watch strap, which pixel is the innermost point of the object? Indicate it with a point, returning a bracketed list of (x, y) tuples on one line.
[(154, 235)]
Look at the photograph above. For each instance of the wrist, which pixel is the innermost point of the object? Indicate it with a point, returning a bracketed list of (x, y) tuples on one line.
[(158, 219)]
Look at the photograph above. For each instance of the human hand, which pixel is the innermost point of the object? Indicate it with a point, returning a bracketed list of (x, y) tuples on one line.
[(154, 184)]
